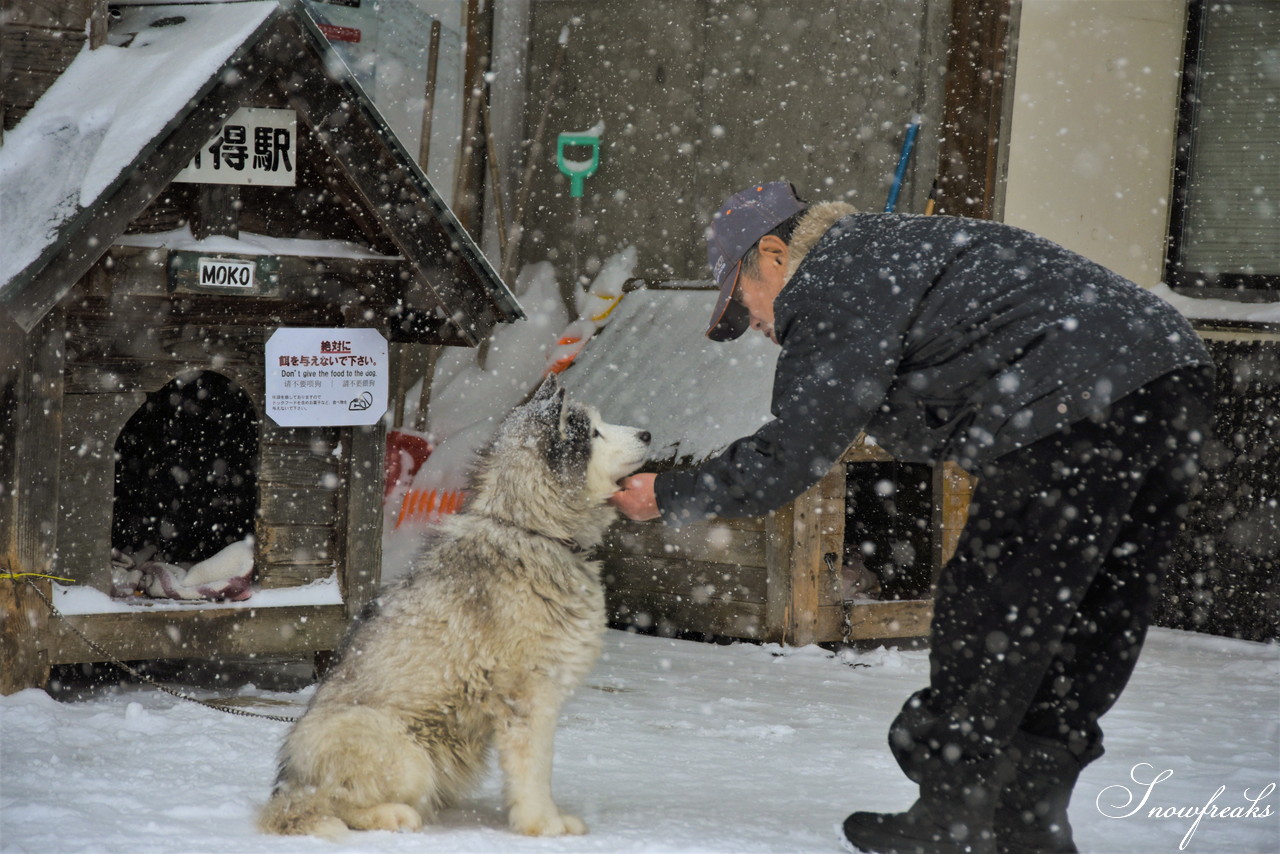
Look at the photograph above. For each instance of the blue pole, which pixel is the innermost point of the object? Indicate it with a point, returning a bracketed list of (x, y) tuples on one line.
[(907, 144)]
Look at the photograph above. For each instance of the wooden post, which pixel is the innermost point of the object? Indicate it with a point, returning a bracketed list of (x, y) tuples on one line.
[(806, 567), (952, 489), (98, 22), (91, 422), (31, 434), (971, 121), (779, 532), (495, 181), (803, 603), (429, 103), (362, 536), (430, 355), (467, 193)]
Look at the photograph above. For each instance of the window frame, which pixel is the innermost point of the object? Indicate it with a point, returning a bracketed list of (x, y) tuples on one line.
[(1242, 287)]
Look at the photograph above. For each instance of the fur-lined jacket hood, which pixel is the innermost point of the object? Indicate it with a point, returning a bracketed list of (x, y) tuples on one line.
[(815, 222)]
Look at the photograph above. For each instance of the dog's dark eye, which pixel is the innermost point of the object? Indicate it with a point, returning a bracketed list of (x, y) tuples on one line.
[(595, 434)]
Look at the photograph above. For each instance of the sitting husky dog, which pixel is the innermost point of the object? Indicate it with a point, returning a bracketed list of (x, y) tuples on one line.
[(498, 622)]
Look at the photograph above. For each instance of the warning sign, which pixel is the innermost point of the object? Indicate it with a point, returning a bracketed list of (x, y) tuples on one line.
[(326, 377)]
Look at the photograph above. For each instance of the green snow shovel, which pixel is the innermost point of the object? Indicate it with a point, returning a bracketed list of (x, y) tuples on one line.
[(578, 171)]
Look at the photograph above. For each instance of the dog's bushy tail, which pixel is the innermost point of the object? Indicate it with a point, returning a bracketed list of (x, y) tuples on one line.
[(305, 812)]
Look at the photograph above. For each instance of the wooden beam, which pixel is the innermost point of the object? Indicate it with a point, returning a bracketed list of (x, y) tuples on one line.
[(198, 633), (700, 581), (972, 111), (306, 283), (906, 618), (415, 327), (715, 542), (670, 613)]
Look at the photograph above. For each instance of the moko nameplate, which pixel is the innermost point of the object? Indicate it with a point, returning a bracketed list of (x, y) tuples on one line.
[(223, 273)]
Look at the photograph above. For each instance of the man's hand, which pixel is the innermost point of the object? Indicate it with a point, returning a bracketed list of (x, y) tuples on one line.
[(636, 501)]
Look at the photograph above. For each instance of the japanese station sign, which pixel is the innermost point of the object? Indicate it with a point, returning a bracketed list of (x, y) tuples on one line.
[(255, 146), (326, 377)]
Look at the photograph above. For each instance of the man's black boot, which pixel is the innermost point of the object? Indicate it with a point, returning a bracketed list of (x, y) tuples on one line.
[(1031, 811), (953, 815)]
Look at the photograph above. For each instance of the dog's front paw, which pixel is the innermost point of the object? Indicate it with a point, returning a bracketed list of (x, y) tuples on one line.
[(550, 823), (391, 816), (573, 826)]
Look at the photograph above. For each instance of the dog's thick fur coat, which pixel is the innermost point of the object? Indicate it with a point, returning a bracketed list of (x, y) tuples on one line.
[(498, 622)]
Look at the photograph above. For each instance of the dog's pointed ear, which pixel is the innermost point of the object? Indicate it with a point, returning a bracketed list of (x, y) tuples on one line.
[(549, 387), (549, 399)]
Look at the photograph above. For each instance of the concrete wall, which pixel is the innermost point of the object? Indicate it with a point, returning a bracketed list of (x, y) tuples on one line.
[(1090, 158), (702, 97)]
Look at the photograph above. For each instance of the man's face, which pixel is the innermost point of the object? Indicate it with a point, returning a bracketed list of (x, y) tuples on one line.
[(759, 288)]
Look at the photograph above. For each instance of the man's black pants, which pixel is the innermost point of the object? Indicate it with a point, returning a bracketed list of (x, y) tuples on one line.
[(1040, 615)]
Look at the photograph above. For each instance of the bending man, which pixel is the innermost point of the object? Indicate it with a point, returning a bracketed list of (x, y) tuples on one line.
[(1077, 398)]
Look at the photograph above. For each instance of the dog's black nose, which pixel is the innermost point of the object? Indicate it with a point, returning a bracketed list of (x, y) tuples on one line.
[(644, 436)]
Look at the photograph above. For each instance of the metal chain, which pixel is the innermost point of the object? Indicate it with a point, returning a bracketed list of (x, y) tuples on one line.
[(93, 645)]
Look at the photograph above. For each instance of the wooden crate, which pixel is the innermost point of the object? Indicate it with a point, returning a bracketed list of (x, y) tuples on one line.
[(774, 578)]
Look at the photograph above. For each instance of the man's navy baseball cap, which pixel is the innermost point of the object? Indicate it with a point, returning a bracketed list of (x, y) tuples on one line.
[(739, 224)]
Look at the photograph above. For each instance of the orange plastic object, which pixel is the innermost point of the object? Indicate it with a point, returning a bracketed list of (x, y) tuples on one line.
[(426, 505), (565, 360)]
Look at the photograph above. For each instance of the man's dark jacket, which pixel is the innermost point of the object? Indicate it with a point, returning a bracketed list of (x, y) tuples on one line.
[(942, 338)]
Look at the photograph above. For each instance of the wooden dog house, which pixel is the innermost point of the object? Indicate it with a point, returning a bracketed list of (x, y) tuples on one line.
[(781, 577), (127, 367)]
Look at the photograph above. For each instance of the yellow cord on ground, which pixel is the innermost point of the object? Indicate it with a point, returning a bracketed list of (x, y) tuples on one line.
[(17, 575)]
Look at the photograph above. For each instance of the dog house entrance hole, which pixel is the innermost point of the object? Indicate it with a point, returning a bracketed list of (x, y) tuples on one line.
[(888, 552), (186, 470)]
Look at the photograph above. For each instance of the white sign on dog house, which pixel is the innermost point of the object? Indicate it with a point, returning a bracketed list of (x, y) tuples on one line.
[(254, 146), (326, 377)]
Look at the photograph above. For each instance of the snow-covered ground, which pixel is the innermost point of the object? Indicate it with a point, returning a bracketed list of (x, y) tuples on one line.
[(672, 746)]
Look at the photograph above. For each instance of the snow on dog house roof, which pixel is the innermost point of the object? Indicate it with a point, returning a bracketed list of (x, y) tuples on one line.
[(121, 122), (653, 367)]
